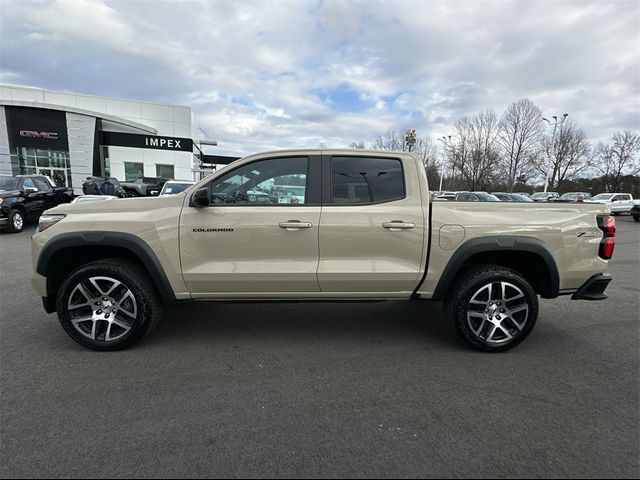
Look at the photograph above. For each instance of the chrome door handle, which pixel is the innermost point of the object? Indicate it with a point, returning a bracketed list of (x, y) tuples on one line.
[(294, 225), (398, 225)]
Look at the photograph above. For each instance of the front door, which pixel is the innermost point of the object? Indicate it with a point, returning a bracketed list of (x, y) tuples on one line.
[(259, 234)]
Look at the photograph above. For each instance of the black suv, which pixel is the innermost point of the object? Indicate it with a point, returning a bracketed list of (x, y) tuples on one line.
[(25, 197)]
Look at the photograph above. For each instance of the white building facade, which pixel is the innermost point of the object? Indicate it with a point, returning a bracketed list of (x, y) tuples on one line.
[(71, 136)]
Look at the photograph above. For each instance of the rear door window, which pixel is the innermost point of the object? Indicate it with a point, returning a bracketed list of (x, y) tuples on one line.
[(366, 180)]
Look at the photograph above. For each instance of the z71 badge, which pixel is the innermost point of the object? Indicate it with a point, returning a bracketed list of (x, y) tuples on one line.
[(587, 234)]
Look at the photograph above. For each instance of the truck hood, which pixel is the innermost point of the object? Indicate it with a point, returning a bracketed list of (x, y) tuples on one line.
[(119, 205), (9, 193)]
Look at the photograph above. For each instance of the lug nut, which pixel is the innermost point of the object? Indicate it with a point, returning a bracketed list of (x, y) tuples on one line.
[(106, 315), (99, 312), (497, 317), (502, 310), (98, 303)]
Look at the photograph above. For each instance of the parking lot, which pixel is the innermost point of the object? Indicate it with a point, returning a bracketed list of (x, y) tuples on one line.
[(323, 390)]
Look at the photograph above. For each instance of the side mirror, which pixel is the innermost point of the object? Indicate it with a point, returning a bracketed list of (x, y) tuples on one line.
[(200, 198), (29, 190)]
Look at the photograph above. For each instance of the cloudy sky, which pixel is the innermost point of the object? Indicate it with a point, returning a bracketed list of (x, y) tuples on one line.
[(261, 75)]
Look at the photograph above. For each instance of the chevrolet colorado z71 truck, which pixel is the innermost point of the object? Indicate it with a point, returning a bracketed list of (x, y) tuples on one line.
[(362, 228)]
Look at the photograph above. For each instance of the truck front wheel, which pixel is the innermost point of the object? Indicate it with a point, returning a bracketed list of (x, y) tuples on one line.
[(492, 308), (108, 304)]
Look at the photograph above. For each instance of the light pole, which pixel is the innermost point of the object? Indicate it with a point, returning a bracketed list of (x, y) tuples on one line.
[(553, 142), (444, 151)]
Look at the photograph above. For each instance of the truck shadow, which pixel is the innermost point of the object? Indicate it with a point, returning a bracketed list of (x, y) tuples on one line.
[(393, 321)]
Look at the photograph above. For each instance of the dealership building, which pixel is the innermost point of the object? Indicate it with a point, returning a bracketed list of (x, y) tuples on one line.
[(70, 136)]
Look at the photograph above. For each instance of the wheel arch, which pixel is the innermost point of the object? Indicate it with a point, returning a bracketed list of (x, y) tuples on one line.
[(528, 256), (66, 252)]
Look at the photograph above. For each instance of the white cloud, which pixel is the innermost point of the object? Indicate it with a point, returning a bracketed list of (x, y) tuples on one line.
[(252, 70)]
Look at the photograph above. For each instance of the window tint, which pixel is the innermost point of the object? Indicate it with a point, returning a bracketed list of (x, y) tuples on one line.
[(366, 180), (42, 184), (276, 181)]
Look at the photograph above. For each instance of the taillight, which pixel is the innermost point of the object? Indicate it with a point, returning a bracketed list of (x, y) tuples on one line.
[(607, 223)]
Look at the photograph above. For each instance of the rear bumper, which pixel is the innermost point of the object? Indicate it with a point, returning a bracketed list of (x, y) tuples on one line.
[(593, 289)]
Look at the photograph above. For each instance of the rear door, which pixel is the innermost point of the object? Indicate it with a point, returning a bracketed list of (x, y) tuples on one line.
[(255, 239), (372, 228)]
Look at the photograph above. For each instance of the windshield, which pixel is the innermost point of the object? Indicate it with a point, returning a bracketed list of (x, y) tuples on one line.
[(487, 197), (173, 188), (8, 183), (520, 198), (540, 195), (603, 196)]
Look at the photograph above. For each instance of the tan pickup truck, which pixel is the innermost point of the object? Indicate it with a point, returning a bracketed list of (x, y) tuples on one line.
[(309, 225)]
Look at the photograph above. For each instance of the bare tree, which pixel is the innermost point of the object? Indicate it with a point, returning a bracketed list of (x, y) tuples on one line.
[(569, 155), (475, 151), (392, 140), (619, 159), (358, 145), (520, 132)]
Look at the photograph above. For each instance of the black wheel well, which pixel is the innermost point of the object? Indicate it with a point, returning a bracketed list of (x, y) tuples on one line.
[(66, 260), (528, 264), (19, 206)]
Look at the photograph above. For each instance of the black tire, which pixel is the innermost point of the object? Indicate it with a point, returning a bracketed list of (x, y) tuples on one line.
[(16, 221), (636, 218), (475, 314), (139, 312)]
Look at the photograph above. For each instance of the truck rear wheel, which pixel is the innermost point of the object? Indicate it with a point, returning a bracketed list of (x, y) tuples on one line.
[(108, 304), (492, 308)]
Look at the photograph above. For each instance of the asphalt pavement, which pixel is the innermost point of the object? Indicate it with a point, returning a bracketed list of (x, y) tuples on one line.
[(322, 390)]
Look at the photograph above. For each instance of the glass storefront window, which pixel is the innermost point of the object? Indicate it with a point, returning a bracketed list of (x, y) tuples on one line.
[(133, 171), (165, 171), (37, 161)]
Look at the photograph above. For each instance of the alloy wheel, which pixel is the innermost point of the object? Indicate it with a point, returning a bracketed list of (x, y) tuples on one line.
[(102, 308), (497, 312), (18, 221)]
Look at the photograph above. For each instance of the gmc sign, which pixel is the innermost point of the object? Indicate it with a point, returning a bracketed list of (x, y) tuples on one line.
[(34, 134)]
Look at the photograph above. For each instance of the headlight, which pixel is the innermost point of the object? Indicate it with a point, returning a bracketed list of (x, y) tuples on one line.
[(47, 220)]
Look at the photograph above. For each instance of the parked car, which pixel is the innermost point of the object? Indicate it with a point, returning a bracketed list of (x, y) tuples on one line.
[(171, 187), (617, 202), (544, 196), (476, 197), (445, 195), (25, 197), (338, 243), (572, 197), (635, 211), (120, 192), (144, 187), (511, 197)]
